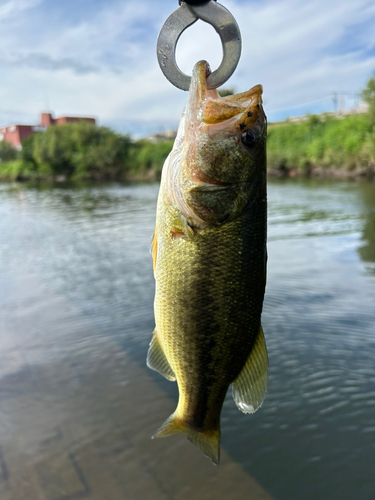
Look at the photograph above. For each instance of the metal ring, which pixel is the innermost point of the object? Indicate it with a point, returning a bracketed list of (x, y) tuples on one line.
[(225, 25)]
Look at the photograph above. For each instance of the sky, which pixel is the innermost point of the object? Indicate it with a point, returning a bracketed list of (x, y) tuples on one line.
[(98, 58)]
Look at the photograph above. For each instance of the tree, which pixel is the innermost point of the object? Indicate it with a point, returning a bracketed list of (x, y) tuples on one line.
[(80, 149), (368, 95), (7, 152)]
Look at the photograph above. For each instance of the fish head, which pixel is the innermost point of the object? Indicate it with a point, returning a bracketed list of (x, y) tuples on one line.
[(222, 151)]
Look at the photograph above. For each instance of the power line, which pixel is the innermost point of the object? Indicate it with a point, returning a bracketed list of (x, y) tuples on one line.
[(337, 98), (300, 104)]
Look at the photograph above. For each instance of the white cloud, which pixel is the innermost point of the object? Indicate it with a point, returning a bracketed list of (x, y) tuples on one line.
[(13, 7), (296, 49), (103, 63)]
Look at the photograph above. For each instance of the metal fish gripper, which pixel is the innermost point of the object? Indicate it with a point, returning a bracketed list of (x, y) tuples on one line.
[(187, 14)]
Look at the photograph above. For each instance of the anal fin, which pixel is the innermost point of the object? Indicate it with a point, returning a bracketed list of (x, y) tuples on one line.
[(156, 359), (250, 386)]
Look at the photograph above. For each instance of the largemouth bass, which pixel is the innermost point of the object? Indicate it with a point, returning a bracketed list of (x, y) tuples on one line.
[(209, 252)]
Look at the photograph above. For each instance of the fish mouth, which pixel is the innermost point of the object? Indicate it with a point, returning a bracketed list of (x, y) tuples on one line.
[(234, 112)]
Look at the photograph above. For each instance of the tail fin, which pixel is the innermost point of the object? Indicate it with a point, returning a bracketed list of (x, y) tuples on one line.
[(207, 441), (170, 426)]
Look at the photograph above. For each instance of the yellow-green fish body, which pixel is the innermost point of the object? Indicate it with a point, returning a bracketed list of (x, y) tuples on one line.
[(209, 252)]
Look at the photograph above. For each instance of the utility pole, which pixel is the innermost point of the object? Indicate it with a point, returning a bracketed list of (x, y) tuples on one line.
[(335, 100), (342, 104)]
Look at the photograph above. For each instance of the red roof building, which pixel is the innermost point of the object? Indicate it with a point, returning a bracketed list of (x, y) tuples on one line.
[(15, 134)]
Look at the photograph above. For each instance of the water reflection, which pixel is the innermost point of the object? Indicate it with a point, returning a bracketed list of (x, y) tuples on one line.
[(76, 286)]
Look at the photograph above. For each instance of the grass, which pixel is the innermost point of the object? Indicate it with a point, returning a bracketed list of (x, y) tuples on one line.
[(339, 143)]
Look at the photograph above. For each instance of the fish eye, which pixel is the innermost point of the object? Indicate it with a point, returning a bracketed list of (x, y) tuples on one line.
[(249, 139)]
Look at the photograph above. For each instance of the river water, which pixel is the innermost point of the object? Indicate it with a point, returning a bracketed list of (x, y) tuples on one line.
[(76, 295)]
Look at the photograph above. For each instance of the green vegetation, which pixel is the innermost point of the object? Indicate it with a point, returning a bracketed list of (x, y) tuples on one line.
[(326, 144), (79, 150), (7, 152), (368, 95), (82, 151), (322, 142), (147, 158)]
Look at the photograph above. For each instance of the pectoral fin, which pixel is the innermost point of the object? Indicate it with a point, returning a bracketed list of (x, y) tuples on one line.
[(250, 386), (156, 359), (154, 248), (182, 229)]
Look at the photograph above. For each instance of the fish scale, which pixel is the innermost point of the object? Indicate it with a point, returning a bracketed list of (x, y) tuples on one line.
[(209, 261)]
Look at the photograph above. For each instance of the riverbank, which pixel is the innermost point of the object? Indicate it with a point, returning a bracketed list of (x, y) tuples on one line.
[(322, 146)]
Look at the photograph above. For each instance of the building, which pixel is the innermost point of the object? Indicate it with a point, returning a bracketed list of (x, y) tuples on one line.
[(46, 120), (15, 134)]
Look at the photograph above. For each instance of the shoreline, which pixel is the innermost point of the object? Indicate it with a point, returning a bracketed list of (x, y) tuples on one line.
[(313, 172), (316, 172)]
